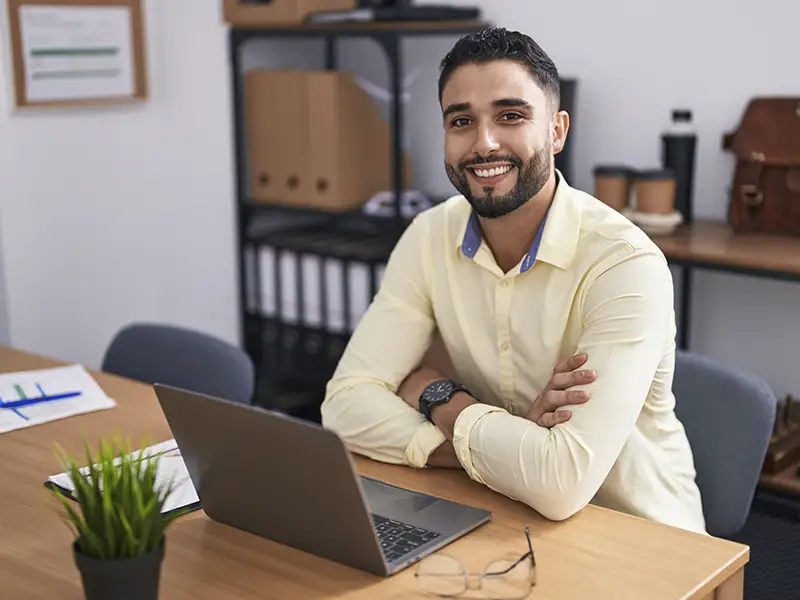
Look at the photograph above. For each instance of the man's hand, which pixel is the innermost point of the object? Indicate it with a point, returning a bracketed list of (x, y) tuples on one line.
[(416, 382), (544, 410)]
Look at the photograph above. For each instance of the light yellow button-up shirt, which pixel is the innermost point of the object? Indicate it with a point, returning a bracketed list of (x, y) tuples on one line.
[(592, 282)]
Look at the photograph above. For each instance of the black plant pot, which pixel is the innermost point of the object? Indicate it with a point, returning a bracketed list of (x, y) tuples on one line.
[(124, 579)]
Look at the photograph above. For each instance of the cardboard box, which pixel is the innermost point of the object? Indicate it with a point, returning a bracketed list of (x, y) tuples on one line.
[(315, 139), (278, 12)]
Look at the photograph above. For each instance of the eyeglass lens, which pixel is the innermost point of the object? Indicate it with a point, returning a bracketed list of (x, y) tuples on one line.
[(442, 575)]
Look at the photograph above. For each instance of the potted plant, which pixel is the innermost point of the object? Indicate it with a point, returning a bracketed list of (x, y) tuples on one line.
[(118, 522)]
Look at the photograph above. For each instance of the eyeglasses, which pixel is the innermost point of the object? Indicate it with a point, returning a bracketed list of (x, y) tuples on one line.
[(507, 578)]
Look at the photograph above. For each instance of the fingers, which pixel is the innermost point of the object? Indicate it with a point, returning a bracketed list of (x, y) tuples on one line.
[(545, 409), (552, 419), (562, 381), (571, 363), (553, 400)]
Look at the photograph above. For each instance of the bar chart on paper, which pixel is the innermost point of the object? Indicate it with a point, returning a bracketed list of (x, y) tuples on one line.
[(30, 398)]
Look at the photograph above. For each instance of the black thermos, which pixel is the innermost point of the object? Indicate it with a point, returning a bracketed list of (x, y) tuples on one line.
[(678, 145)]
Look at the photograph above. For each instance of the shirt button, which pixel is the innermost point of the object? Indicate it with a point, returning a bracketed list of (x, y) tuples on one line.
[(505, 282), (505, 346)]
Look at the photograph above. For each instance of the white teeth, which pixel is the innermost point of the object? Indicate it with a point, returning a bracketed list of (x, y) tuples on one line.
[(494, 172)]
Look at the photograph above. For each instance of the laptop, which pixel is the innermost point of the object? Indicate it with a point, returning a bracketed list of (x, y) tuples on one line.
[(294, 482)]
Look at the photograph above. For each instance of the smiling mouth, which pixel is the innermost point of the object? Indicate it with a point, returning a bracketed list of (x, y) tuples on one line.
[(490, 172)]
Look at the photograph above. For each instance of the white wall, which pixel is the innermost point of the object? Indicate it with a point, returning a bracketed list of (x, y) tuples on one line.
[(637, 60), (131, 210), (5, 336), (124, 214)]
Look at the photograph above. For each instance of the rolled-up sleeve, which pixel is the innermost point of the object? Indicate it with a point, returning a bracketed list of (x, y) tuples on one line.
[(627, 315), (361, 403), (462, 434)]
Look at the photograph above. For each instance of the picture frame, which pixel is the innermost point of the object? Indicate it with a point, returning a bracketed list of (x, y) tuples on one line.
[(77, 52)]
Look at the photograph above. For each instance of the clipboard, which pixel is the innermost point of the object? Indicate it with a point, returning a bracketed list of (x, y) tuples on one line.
[(77, 52), (191, 507), (187, 499)]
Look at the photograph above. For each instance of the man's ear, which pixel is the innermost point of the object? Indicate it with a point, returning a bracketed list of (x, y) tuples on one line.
[(560, 129)]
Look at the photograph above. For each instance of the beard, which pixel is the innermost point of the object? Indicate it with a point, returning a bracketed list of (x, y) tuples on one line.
[(531, 178)]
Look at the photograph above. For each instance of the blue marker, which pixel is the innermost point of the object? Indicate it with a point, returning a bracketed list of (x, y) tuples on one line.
[(41, 400)]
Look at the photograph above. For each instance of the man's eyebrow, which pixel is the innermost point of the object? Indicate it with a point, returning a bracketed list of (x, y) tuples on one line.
[(500, 103), (512, 103), (460, 107)]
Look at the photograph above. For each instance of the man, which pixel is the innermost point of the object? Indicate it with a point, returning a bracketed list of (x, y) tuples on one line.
[(518, 274)]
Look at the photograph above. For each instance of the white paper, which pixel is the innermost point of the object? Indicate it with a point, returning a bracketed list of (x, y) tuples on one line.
[(78, 52), (171, 470), (334, 276), (48, 383), (312, 310), (358, 281), (267, 265), (289, 300)]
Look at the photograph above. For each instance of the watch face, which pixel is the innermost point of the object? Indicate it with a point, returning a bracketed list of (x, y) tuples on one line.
[(438, 391)]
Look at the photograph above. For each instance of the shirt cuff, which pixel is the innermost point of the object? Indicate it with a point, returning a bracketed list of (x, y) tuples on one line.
[(462, 432), (425, 440)]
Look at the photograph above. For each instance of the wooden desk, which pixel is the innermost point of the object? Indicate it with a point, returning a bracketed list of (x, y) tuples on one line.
[(596, 554), (714, 246)]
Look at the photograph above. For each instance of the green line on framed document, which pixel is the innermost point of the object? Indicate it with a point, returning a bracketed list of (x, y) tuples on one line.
[(74, 51), (85, 73)]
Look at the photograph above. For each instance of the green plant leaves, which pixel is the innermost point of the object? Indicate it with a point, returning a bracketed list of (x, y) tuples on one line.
[(120, 503)]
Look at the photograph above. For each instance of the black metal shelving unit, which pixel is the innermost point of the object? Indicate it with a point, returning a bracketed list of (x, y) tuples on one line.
[(294, 359)]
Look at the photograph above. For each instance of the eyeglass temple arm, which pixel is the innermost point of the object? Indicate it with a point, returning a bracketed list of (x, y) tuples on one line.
[(521, 558), (530, 546)]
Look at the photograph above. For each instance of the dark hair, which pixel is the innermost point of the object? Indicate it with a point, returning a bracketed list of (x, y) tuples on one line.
[(496, 43)]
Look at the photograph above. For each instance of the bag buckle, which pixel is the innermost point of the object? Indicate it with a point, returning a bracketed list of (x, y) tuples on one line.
[(751, 195)]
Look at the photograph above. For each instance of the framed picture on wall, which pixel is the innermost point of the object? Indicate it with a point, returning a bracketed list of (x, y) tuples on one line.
[(77, 52)]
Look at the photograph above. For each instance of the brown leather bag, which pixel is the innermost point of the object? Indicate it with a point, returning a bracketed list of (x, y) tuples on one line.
[(766, 181)]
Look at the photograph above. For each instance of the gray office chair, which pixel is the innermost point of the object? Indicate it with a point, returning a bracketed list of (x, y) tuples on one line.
[(728, 416), (180, 357)]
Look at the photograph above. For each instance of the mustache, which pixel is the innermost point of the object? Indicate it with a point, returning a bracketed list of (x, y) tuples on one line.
[(514, 160)]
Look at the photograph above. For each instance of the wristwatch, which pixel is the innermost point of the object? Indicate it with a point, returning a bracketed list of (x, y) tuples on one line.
[(436, 393)]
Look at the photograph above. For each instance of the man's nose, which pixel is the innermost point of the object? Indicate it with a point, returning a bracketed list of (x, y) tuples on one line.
[(486, 140)]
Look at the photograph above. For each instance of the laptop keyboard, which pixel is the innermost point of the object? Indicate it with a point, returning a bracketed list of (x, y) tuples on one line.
[(398, 539)]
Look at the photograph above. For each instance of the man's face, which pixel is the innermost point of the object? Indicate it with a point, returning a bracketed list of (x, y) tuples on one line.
[(498, 128)]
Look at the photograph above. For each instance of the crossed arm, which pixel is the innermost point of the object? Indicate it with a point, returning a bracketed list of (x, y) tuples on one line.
[(626, 312), (546, 410)]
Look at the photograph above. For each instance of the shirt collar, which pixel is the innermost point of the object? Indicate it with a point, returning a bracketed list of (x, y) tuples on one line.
[(555, 242)]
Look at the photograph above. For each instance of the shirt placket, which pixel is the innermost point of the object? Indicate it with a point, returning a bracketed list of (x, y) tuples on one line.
[(502, 302)]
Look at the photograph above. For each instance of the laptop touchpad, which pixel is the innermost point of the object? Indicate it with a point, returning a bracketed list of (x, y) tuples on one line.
[(388, 500)]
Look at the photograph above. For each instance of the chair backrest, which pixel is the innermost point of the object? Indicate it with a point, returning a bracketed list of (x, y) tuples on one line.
[(728, 415), (156, 353)]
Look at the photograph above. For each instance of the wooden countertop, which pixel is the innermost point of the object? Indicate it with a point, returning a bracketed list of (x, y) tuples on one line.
[(596, 554), (718, 244)]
